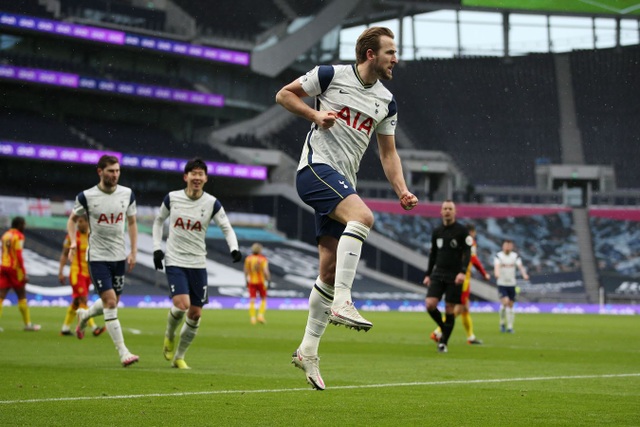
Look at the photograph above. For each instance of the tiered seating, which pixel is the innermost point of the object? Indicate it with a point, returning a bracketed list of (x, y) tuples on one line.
[(607, 88), (25, 7), (141, 139), (495, 118), (616, 246), (247, 141), (546, 243), (117, 12), (106, 72), (370, 166), (233, 19), (25, 126)]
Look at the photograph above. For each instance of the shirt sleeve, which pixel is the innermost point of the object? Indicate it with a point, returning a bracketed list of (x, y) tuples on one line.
[(222, 221), (317, 80), (80, 205), (388, 125), (158, 223), (132, 210)]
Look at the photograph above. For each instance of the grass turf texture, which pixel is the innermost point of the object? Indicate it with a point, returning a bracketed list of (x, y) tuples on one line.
[(555, 370)]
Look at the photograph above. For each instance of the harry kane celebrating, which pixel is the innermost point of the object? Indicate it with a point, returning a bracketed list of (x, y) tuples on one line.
[(351, 105)]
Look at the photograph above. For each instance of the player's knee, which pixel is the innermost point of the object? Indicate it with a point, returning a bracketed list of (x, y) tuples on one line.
[(367, 218), (181, 305)]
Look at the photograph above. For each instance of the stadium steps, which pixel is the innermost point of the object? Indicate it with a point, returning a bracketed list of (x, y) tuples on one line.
[(587, 257), (570, 138)]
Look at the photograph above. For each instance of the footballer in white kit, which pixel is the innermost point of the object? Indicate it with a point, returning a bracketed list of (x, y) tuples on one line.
[(361, 110), (505, 264), (108, 206), (189, 211), (350, 105), (107, 213)]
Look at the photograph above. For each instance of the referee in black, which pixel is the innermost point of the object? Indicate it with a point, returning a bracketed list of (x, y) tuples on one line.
[(448, 262)]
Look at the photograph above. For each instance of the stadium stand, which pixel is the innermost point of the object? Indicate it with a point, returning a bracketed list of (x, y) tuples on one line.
[(25, 126), (607, 88), (143, 139), (242, 20), (116, 12), (101, 69), (495, 117), (25, 7), (547, 243), (483, 108), (617, 246)]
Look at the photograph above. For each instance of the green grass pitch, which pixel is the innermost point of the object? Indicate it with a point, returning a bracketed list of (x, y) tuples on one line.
[(555, 370)]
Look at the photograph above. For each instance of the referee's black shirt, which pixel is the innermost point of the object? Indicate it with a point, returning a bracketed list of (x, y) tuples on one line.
[(450, 250)]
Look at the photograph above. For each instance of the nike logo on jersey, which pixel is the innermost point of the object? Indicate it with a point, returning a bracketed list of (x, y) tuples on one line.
[(343, 184), (343, 91)]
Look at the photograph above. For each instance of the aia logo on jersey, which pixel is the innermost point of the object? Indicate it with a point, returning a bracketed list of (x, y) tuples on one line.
[(358, 122), (110, 218), (189, 226)]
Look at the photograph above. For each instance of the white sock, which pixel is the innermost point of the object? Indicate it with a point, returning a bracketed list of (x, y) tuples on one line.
[(502, 315), (187, 334), (319, 309), (510, 317), (174, 318), (115, 331), (347, 258), (96, 309)]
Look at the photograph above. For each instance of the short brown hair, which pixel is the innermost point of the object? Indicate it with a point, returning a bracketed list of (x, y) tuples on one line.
[(107, 160), (370, 39)]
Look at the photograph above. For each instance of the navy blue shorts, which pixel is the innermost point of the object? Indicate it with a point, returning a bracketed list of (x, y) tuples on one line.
[(507, 291), (189, 281), (107, 275), (322, 187)]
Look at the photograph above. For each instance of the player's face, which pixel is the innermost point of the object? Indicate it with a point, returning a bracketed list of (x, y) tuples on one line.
[(195, 180), (82, 225), (448, 212), (507, 247), (385, 58), (109, 176)]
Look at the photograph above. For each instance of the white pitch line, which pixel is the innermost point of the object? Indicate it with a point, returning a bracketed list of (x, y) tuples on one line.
[(345, 387)]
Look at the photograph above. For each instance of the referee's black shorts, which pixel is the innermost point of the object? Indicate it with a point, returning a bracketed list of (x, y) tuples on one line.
[(443, 283)]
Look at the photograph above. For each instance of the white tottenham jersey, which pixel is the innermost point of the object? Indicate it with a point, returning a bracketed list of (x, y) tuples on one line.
[(506, 264), (108, 213), (361, 110), (188, 223)]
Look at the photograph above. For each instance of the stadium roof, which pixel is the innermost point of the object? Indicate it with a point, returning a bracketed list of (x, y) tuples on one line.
[(379, 10)]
